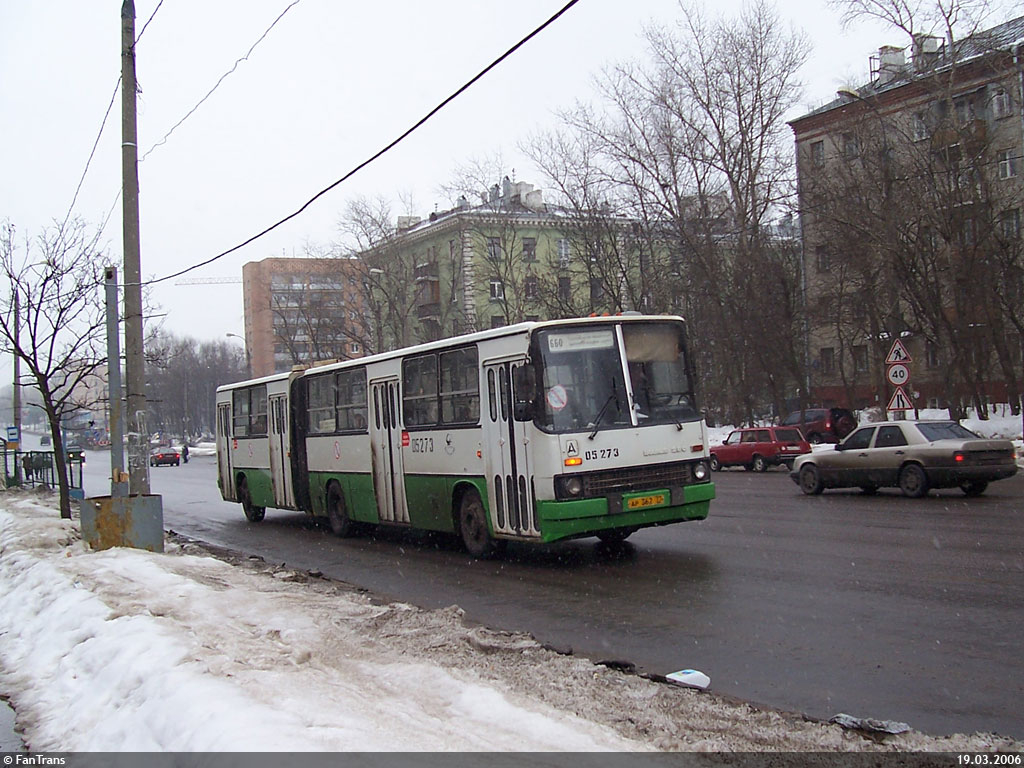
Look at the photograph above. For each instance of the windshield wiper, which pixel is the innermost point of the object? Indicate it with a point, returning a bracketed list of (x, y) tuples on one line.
[(600, 414)]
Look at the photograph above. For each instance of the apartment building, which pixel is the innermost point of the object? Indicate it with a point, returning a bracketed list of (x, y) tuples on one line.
[(910, 190), (300, 311)]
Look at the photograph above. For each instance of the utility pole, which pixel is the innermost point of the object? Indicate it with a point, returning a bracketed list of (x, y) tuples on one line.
[(16, 393), (135, 375)]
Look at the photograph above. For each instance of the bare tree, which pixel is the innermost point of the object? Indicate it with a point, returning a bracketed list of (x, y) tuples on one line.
[(181, 397), (693, 147), (385, 274), (53, 319)]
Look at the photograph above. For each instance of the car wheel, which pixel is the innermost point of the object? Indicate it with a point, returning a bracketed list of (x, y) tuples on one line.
[(252, 513), (913, 481), (473, 526), (814, 438), (810, 480), (716, 465), (760, 465), (973, 487), (869, 490), (341, 524)]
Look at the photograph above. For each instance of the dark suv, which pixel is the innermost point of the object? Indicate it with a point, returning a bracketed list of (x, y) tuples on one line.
[(823, 425)]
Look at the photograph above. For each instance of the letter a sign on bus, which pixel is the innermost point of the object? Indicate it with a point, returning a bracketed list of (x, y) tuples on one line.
[(898, 354)]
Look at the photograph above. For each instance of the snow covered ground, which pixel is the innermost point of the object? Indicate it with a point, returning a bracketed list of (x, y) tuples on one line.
[(125, 650)]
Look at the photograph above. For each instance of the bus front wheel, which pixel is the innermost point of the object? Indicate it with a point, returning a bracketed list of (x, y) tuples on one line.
[(252, 513), (473, 526)]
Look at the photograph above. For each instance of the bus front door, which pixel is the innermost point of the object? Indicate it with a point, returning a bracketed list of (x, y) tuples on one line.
[(509, 468), (386, 445), (224, 447)]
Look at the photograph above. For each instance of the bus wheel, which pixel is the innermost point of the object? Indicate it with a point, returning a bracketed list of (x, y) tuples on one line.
[(341, 523), (473, 526), (252, 514)]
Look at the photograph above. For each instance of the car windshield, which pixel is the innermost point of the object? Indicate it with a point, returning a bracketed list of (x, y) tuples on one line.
[(945, 430), (583, 384)]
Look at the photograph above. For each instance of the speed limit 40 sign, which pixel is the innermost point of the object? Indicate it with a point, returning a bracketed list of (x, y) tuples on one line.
[(898, 374)]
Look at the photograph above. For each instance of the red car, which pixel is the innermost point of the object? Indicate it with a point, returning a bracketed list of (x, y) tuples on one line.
[(758, 448), (823, 425)]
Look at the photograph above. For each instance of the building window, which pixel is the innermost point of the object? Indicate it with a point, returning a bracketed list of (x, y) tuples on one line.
[(356, 349), (821, 258), (497, 321), (860, 358), (564, 289), (827, 357), (920, 127), (529, 249), (1009, 224), (1007, 164), (530, 287), (563, 253), (817, 153), (596, 290), (964, 108), (851, 147), (931, 355), (497, 289), (1001, 103), (493, 248)]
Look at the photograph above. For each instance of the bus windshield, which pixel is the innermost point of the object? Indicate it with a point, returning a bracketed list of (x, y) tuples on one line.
[(584, 383)]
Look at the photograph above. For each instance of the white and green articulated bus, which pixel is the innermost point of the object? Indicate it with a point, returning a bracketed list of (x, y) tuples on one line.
[(534, 432)]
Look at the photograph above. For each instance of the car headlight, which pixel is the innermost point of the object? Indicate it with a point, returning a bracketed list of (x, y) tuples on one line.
[(574, 486), (700, 471)]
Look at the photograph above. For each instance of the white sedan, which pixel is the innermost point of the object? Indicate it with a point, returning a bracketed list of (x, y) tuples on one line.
[(913, 455)]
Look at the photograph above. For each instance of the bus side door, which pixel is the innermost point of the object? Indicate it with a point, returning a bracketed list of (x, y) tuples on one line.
[(280, 456), (509, 468), (386, 447), (224, 448)]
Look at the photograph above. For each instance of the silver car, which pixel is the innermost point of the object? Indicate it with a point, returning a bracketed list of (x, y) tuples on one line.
[(913, 455)]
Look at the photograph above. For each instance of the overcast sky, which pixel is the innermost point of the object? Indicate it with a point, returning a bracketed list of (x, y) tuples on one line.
[(330, 84)]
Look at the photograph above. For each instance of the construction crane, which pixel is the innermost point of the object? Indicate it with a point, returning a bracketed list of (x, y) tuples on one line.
[(207, 280)]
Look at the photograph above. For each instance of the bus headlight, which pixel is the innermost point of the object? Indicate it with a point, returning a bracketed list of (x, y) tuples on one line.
[(568, 487), (700, 471)]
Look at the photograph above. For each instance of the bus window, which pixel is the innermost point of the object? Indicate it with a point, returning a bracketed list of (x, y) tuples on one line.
[(419, 390), (321, 404), (351, 410), (460, 387)]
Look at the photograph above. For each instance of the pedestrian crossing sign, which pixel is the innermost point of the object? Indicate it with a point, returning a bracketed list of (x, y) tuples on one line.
[(899, 401)]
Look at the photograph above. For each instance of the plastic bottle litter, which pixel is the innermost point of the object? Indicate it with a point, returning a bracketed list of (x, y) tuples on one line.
[(692, 678)]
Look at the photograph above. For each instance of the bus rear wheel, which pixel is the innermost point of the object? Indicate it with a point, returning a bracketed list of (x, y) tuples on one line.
[(252, 513), (341, 524), (473, 526)]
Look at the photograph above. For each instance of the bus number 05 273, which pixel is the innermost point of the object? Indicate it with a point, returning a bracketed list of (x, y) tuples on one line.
[(603, 453)]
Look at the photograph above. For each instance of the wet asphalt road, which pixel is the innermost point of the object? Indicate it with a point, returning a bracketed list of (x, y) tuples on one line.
[(880, 606)]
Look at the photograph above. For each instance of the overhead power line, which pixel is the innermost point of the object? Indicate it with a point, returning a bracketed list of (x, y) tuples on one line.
[(379, 153)]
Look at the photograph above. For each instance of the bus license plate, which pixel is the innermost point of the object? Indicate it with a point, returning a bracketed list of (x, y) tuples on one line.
[(642, 502)]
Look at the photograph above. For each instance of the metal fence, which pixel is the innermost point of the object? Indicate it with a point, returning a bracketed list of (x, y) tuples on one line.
[(38, 468)]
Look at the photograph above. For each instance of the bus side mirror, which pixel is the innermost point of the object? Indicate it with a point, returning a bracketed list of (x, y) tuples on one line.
[(523, 388)]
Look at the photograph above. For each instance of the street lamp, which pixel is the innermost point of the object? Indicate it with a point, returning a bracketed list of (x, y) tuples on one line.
[(248, 356)]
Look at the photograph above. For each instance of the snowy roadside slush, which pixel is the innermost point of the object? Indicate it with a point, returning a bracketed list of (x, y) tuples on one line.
[(125, 650)]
